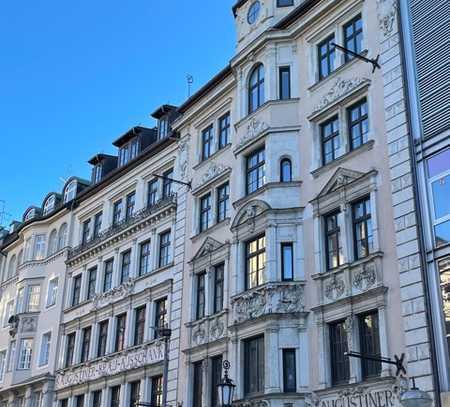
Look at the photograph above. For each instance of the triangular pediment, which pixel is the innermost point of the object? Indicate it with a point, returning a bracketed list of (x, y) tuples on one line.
[(340, 178), (249, 212), (208, 246)]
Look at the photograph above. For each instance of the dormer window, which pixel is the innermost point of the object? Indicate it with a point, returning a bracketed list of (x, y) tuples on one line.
[(128, 152), (97, 173), (30, 215), (163, 128), (123, 155), (70, 191), (49, 204)]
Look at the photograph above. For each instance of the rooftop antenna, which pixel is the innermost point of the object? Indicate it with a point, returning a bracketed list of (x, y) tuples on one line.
[(5, 217), (190, 81)]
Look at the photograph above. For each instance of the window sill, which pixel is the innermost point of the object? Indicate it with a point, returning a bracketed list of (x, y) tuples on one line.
[(214, 227), (213, 155), (349, 154)]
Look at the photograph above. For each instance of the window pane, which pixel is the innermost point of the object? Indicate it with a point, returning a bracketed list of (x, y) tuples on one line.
[(289, 370), (439, 163), (442, 233), (370, 344), (441, 194), (340, 367), (287, 261)]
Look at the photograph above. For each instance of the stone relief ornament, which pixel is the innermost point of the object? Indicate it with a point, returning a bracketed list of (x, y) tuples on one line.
[(29, 324), (183, 151), (217, 330), (214, 170), (312, 400), (199, 336), (254, 128), (334, 289), (252, 403), (250, 213), (353, 391), (340, 88), (365, 278), (387, 12), (117, 293)]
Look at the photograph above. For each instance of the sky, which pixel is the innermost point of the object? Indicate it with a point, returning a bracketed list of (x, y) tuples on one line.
[(75, 75)]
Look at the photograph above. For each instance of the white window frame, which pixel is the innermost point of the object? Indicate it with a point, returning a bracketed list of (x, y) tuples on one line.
[(20, 300), (3, 360), (70, 191), (36, 296), (49, 205), (39, 246), (52, 292), (42, 362), (11, 356), (25, 354), (9, 311)]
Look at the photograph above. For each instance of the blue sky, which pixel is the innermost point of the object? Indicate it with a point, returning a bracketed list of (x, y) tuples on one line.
[(76, 75)]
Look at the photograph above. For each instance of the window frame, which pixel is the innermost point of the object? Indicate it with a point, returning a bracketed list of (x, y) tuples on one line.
[(108, 272), (290, 245), (256, 255), (257, 87), (45, 357), (363, 137), (256, 366), (339, 366), (364, 220), (218, 292), (160, 315), (331, 233), (283, 162), (52, 292), (125, 266), (120, 332), (207, 142), (224, 124), (140, 314), (223, 199), (70, 349), (334, 137), (289, 352), (260, 165), (102, 339), (85, 343), (352, 37), (281, 71), (144, 258), (25, 354), (76, 289), (205, 206), (164, 249), (130, 204), (280, 3), (200, 302), (329, 56)]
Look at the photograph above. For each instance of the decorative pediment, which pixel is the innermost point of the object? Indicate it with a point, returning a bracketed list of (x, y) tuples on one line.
[(340, 178), (249, 212), (208, 246), (214, 172)]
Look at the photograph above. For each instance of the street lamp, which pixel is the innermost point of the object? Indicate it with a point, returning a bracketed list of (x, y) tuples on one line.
[(415, 397), (226, 387)]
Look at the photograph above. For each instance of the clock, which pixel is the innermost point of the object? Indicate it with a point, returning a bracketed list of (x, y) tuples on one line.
[(253, 12)]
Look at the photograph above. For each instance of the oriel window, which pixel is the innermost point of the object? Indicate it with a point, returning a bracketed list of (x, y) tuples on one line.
[(340, 366), (353, 36), (326, 57), (362, 228), (333, 241), (358, 123), (329, 133), (256, 170), (200, 312), (256, 262)]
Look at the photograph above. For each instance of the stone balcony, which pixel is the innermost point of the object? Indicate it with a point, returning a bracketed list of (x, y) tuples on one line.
[(209, 329), (350, 279)]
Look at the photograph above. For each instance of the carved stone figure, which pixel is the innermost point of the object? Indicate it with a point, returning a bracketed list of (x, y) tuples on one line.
[(335, 289), (387, 12), (365, 278)]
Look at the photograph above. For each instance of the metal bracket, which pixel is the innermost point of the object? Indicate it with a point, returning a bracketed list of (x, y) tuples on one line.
[(373, 61), (398, 362)]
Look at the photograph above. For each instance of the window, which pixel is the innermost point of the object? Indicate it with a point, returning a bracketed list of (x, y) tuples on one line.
[(92, 275), (144, 258), (20, 258), (29, 215), (200, 304), (79, 401), (134, 148), (49, 205), (163, 128), (164, 249), (287, 261), (285, 3), (160, 315), (11, 355), (134, 393), (340, 367), (218, 287), (86, 334), (97, 398), (157, 391), (86, 231), (256, 89), (45, 349), (289, 371), (70, 191), (256, 262), (115, 396), (223, 199), (329, 133), (34, 298), (125, 270), (2, 365), (285, 170), (36, 399), (362, 228), (167, 184), (139, 325), (107, 280), (52, 242), (207, 142), (444, 274), (117, 212), (62, 236), (439, 188), (256, 171), (358, 124), (152, 192), (64, 403), (20, 300), (39, 247), (97, 225), (285, 82), (254, 366), (205, 212), (326, 56), (369, 338), (123, 155), (102, 338), (224, 130), (333, 241), (119, 344), (12, 266), (216, 378), (197, 384), (353, 36), (9, 311), (131, 200), (70, 348), (76, 290), (96, 173)]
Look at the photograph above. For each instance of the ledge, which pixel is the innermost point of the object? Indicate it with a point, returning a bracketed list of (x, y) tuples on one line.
[(212, 228)]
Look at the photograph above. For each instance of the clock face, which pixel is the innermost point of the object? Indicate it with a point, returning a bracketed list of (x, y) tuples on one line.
[(253, 12)]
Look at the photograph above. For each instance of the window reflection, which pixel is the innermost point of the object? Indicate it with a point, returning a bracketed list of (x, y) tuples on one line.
[(444, 271)]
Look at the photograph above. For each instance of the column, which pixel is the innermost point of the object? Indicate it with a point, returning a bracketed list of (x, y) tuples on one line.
[(209, 291), (94, 341), (148, 322), (134, 266), (303, 358), (270, 67), (299, 266), (318, 245), (384, 343), (226, 283), (129, 326), (144, 389), (205, 387), (272, 253), (235, 277), (352, 341), (323, 354), (99, 279), (373, 207), (272, 360), (84, 284), (48, 394)]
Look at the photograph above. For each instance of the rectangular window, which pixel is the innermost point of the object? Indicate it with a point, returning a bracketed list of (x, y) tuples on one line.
[(97, 225), (123, 155), (197, 384), (289, 371), (144, 258), (353, 36), (45, 349), (254, 366), (86, 334), (134, 393), (164, 249), (117, 212), (167, 184), (92, 275), (36, 399), (256, 171), (70, 348), (329, 134), (285, 3), (157, 391), (20, 300), (200, 304), (64, 403), (102, 338), (9, 311), (207, 142), (2, 365), (107, 279), (34, 298), (139, 325), (11, 355), (79, 400), (218, 287), (152, 193), (369, 337), (224, 130), (86, 231), (130, 203), (333, 241), (134, 148), (205, 212), (223, 202), (125, 266), (362, 228), (119, 344), (326, 56), (115, 396), (358, 124), (216, 378), (340, 367), (256, 262), (25, 354), (97, 398), (285, 82), (52, 292), (287, 261), (160, 315), (163, 128), (39, 247), (76, 290)]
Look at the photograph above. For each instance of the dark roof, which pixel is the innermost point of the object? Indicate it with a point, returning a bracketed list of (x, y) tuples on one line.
[(162, 110), (98, 158), (296, 13), (237, 5), (205, 89), (134, 131)]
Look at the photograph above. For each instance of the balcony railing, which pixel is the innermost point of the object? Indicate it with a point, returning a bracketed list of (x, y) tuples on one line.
[(136, 218)]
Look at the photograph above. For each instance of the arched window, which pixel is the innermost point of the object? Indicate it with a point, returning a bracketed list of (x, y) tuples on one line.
[(62, 236), (70, 191), (53, 242), (12, 266), (285, 170), (29, 215), (256, 88), (49, 204)]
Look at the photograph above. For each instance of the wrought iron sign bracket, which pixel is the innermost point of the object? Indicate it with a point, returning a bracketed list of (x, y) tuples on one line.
[(372, 61), (398, 362), (187, 184)]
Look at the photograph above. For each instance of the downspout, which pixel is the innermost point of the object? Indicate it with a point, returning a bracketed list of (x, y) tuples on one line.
[(418, 217)]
